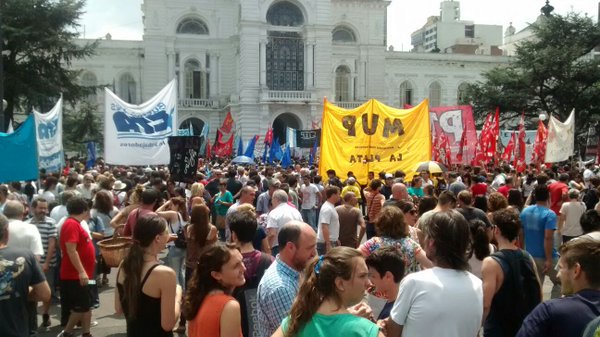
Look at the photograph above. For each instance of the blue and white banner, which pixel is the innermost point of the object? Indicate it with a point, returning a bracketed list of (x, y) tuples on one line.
[(19, 151), (138, 134), (48, 129)]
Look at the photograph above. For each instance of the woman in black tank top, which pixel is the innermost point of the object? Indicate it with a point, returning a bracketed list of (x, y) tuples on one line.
[(144, 286)]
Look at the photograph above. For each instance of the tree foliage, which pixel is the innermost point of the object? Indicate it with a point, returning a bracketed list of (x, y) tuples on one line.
[(81, 125), (38, 49), (553, 72)]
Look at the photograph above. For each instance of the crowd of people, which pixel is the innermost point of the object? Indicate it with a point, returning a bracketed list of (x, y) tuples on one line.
[(267, 251)]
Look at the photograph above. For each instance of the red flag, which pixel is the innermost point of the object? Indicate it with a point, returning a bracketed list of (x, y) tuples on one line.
[(493, 142), (520, 164), (461, 146), (227, 123), (224, 149), (442, 152), (269, 136), (481, 151), (509, 149), (539, 146)]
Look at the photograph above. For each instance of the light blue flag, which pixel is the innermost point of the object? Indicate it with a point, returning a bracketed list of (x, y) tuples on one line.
[(204, 136), (287, 157), (19, 151), (91, 155), (240, 146)]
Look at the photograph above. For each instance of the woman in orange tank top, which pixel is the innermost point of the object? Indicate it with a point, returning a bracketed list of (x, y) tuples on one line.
[(209, 306)]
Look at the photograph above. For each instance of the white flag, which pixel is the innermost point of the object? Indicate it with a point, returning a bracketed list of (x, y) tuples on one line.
[(138, 134), (48, 130), (561, 139)]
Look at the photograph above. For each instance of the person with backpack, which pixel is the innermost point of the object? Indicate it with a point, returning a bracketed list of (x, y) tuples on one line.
[(511, 286), (243, 225)]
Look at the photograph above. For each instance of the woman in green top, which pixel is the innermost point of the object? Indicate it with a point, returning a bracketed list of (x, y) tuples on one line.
[(333, 283), (222, 201)]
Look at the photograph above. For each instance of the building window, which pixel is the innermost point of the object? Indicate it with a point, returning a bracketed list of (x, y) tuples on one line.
[(127, 88), (342, 84), (88, 79), (460, 95), (406, 94), (435, 94), (195, 80), (470, 31), (343, 34), (285, 13), (285, 61), (192, 26)]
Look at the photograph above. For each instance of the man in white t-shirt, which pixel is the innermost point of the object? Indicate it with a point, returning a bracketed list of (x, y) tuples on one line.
[(22, 234), (445, 300), (310, 199), (329, 222), (281, 214)]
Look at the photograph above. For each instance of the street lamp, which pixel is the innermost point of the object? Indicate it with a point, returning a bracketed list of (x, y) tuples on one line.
[(543, 116)]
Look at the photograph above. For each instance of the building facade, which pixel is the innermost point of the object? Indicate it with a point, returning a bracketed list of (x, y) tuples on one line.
[(273, 62)]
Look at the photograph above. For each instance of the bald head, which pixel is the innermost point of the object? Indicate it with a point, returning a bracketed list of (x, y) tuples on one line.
[(399, 191), (14, 209)]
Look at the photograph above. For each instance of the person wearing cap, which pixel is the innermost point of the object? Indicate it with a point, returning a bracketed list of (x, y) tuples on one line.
[(119, 193), (570, 214), (353, 187), (386, 189)]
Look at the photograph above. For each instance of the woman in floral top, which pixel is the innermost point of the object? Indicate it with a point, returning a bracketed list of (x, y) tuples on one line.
[(393, 231)]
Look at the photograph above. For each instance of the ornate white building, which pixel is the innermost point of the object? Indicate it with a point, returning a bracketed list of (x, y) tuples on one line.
[(272, 62)]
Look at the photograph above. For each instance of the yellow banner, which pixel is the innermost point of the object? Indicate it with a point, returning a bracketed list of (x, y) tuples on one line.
[(374, 137)]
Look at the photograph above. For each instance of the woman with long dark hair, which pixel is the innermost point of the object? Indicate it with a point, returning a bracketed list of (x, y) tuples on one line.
[(104, 210), (480, 246), (147, 292), (200, 233), (333, 282), (209, 306)]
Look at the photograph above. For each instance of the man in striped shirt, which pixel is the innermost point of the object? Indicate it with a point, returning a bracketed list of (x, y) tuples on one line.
[(47, 228)]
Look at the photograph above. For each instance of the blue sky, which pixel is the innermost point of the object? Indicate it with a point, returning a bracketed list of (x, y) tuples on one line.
[(123, 18)]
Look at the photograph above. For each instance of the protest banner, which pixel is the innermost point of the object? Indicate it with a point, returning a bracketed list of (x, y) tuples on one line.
[(138, 134), (48, 131), (374, 137)]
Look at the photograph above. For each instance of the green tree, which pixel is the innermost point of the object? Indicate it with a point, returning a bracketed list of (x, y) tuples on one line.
[(38, 44), (83, 125), (553, 72)]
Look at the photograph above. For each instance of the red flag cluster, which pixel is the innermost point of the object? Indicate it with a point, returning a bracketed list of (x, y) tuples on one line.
[(486, 147), (539, 146), (224, 148), (441, 150)]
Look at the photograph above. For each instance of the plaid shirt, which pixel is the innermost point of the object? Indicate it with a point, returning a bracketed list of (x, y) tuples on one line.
[(276, 293)]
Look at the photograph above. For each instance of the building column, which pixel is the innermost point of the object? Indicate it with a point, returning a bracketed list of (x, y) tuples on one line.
[(213, 76), (309, 53), (263, 64)]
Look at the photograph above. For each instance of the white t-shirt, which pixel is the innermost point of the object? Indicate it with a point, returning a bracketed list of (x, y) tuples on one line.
[(498, 181), (328, 215), (281, 215), (572, 210), (309, 196), (439, 302), (26, 236), (59, 212)]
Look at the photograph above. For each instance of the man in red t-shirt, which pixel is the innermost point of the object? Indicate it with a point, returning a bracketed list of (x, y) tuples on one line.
[(558, 193), (508, 185), (77, 267)]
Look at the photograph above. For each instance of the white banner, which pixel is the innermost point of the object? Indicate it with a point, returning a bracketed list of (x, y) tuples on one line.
[(561, 139), (138, 134), (48, 130)]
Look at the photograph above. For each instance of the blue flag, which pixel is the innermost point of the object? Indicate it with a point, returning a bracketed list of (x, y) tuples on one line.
[(19, 151), (313, 153), (264, 156), (275, 152), (240, 146), (91, 155), (250, 148), (287, 159)]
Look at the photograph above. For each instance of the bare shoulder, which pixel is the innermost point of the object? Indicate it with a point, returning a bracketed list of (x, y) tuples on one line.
[(232, 305), (490, 264)]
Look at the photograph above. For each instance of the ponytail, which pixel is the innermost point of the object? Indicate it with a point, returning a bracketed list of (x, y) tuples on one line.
[(480, 242), (307, 301), (132, 266)]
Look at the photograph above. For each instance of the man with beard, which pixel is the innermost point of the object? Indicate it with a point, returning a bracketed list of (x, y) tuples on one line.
[(279, 285)]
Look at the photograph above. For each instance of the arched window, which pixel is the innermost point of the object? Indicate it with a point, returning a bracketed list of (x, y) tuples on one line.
[(342, 84), (127, 88), (343, 34), (192, 26), (406, 94), (435, 94), (88, 79), (460, 95), (195, 80), (285, 13)]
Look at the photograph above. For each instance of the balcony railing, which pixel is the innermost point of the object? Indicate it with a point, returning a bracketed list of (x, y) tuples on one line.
[(287, 96), (349, 105), (198, 103)]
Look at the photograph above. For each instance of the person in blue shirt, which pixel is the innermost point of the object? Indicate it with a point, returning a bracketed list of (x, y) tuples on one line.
[(539, 224), (386, 270), (580, 283)]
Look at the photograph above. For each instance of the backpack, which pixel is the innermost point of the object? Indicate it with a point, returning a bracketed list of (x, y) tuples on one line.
[(523, 290), (247, 297)]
